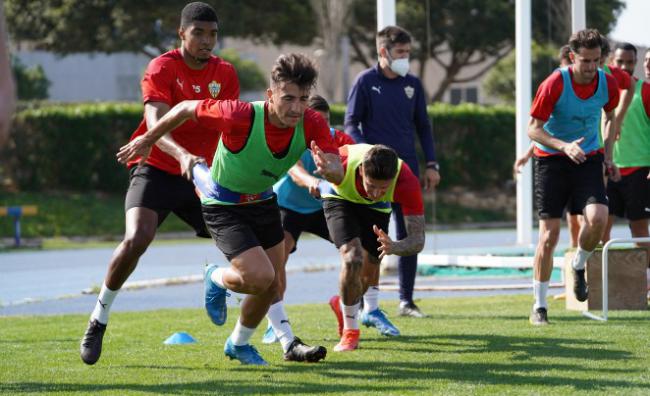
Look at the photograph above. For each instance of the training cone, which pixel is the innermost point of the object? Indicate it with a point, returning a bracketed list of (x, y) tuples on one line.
[(179, 338)]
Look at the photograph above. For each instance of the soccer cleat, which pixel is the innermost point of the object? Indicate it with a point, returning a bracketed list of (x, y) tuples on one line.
[(269, 336), (301, 352), (215, 298), (91, 344), (538, 317), (378, 320), (349, 341), (580, 287), (335, 304), (410, 309), (246, 354)]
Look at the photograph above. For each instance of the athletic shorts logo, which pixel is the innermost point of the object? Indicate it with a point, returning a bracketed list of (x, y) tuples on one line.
[(214, 88), (409, 91)]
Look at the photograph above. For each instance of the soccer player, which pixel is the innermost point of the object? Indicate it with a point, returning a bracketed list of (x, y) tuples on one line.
[(259, 142), (564, 124), (358, 211), (625, 56), (630, 197), (386, 105), (157, 186)]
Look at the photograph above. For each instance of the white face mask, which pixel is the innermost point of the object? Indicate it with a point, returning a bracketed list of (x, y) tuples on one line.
[(399, 66)]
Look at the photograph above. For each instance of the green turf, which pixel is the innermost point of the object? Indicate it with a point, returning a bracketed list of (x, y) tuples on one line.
[(469, 346)]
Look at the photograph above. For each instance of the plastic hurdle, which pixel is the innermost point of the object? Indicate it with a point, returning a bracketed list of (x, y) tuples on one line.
[(604, 274)]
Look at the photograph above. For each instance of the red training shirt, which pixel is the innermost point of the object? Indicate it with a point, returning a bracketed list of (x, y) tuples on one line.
[(407, 190), (169, 80), (234, 119), (623, 79)]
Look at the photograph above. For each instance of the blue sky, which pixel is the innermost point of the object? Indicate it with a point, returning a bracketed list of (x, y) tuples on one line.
[(632, 25)]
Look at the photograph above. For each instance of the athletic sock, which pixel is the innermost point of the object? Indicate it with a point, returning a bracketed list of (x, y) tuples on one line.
[(539, 292), (371, 299), (217, 277), (241, 335), (103, 306), (350, 316), (280, 323), (581, 257)]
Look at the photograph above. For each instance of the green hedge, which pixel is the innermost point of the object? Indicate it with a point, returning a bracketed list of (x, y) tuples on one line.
[(73, 146)]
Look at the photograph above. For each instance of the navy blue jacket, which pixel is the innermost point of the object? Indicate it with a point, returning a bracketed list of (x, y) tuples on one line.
[(389, 111)]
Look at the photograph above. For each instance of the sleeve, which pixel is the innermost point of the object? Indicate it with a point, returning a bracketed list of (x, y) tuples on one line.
[(622, 78), (614, 93), (356, 111), (317, 130), (226, 116), (423, 124), (408, 192), (341, 138), (547, 95), (157, 83), (230, 86)]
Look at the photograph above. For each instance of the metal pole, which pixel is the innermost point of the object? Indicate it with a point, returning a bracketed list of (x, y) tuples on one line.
[(578, 15), (523, 100), (385, 13)]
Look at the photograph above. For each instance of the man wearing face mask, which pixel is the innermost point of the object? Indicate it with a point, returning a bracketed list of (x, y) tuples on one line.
[(386, 105)]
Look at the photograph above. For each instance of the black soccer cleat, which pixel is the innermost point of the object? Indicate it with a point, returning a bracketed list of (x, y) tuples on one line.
[(91, 344), (301, 352), (580, 288), (539, 317)]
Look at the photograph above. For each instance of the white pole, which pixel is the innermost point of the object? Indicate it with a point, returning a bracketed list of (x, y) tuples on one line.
[(385, 13), (523, 100), (578, 15)]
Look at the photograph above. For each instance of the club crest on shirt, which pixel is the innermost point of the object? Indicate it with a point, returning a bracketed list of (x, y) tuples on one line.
[(214, 88), (409, 91)]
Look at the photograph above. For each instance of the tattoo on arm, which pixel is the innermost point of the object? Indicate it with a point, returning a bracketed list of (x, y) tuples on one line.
[(414, 241)]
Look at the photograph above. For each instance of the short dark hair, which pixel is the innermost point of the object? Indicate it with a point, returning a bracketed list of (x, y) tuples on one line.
[(318, 103), (380, 162), (391, 35), (627, 47), (198, 11), (296, 69), (587, 38), (564, 53)]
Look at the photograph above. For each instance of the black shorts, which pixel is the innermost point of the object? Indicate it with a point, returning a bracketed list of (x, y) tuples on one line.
[(155, 189), (560, 183), (347, 220), (237, 228), (630, 197), (295, 223)]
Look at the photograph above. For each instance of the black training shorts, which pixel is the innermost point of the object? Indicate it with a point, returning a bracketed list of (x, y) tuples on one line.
[(347, 220), (560, 183), (295, 223), (237, 228), (630, 197), (155, 189)]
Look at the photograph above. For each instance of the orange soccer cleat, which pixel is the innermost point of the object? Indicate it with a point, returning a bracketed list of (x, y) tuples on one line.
[(349, 341)]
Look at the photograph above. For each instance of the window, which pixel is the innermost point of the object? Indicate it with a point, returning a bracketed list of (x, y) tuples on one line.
[(459, 95)]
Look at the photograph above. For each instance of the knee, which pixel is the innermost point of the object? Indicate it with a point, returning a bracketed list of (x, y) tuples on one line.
[(352, 259), (260, 281), (139, 241), (548, 239)]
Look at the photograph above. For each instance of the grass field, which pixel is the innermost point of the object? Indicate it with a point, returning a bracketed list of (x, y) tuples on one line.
[(468, 346)]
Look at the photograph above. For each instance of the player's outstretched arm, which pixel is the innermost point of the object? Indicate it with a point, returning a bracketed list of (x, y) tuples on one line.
[(412, 244), (328, 165), (141, 146)]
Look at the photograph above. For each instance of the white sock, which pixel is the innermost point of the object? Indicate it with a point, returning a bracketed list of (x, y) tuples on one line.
[(580, 258), (280, 323), (371, 299), (350, 316), (241, 334), (539, 292), (217, 277), (103, 306)]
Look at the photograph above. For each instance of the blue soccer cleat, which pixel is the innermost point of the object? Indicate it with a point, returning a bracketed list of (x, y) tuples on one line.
[(378, 320), (215, 298), (246, 354), (269, 336)]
